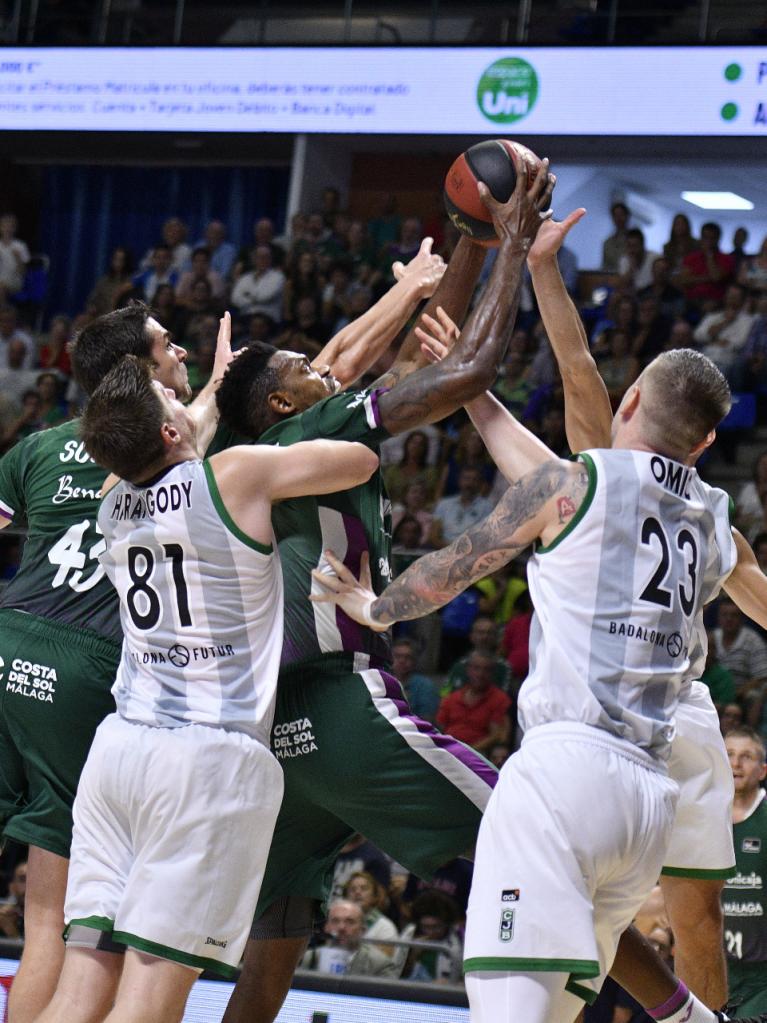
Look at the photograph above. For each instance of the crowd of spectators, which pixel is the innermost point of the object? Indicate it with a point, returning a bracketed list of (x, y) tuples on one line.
[(463, 667)]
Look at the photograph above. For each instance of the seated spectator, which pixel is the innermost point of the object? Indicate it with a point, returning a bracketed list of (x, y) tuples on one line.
[(748, 505), (454, 515), (680, 336), (477, 713), (452, 880), (469, 451), (359, 855), (303, 281), (723, 334), (404, 249), (15, 379), (614, 247), (407, 544), (261, 289), (635, 265), (753, 272), (12, 335), (749, 371), (730, 716), (261, 328), (707, 271), (622, 316), (174, 234), (201, 366), (718, 678), (516, 636), (12, 908), (359, 247), (117, 281), (202, 270), (29, 420), (344, 951), (513, 386), (552, 427), (652, 330), (54, 353), (412, 468), (739, 254), (305, 333), (619, 368), (420, 692), (483, 639), (434, 919), (263, 234), (393, 449), (221, 253), (336, 297), (161, 271), (14, 257), (53, 408), (680, 244), (169, 313), (740, 650), (414, 505), (201, 303), (669, 298), (363, 889)]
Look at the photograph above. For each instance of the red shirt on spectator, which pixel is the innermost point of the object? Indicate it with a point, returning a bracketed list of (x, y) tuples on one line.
[(516, 643), (697, 264), (471, 722)]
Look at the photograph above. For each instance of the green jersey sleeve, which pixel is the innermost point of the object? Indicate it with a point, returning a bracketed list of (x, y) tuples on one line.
[(351, 416), (13, 467)]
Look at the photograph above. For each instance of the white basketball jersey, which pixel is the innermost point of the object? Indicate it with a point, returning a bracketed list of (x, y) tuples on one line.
[(619, 598), (200, 605)]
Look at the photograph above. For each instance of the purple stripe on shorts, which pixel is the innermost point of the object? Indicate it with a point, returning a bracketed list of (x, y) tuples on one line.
[(465, 754), (352, 634)]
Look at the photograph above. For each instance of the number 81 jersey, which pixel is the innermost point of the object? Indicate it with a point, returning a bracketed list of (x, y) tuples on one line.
[(619, 596), (201, 605), (49, 480)]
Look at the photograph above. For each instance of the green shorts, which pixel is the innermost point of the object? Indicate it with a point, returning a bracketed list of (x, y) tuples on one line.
[(55, 683), (355, 759)]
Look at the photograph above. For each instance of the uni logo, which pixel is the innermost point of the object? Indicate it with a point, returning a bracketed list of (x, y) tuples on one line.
[(507, 90)]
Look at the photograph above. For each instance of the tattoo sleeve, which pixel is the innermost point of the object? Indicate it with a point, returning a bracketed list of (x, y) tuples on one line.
[(517, 520)]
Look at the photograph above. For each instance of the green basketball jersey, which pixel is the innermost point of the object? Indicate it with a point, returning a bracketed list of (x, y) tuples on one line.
[(348, 522), (49, 479), (745, 895)]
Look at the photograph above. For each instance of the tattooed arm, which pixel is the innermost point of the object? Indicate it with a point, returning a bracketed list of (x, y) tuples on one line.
[(471, 366), (588, 416), (540, 505)]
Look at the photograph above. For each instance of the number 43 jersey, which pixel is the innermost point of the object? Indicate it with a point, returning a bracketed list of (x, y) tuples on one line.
[(200, 605), (619, 596), (49, 480)]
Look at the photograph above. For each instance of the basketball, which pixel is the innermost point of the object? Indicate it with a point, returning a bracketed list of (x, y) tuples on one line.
[(495, 162)]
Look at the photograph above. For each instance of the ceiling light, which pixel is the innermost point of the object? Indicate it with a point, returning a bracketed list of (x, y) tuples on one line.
[(718, 200)]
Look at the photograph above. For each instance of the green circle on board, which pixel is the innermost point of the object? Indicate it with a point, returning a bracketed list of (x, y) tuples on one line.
[(729, 111), (507, 90), (733, 72)]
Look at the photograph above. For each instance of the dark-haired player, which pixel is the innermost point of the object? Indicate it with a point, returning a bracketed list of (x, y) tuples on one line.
[(355, 760)]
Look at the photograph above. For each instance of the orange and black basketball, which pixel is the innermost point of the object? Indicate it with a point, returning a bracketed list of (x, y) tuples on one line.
[(494, 162)]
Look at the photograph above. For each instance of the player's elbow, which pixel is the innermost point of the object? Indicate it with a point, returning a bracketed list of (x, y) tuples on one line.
[(362, 462)]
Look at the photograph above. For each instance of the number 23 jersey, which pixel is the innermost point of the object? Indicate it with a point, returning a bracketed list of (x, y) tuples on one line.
[(619, 596), (200, 605)]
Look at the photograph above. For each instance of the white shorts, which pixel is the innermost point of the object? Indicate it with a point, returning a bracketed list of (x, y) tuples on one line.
[(701, 841), (572, 842), (172, 828)]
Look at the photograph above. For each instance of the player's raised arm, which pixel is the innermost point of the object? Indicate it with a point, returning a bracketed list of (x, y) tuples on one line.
[(353, 350), (203, 409), (747, 584), (539, 505), (514, 449), (435, 391), (588, 415)]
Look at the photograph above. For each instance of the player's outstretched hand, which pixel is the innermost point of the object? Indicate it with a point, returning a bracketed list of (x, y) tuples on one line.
[(550, 237), (354, 596), (437, 336), (224, 354), (425, 268), (520, 218)]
